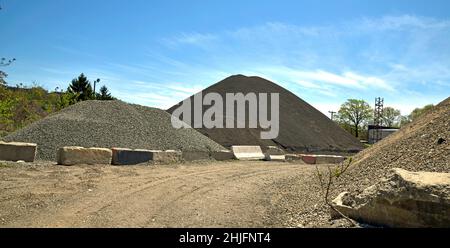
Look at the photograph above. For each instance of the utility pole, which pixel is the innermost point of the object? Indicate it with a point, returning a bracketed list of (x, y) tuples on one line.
[(95, 83), (332, 114)]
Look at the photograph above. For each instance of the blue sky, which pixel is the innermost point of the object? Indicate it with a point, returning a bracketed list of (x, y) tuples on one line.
[(156, 53)]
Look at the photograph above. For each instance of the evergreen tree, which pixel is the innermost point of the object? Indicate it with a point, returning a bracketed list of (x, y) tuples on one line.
[(82, 88), (104, 94)]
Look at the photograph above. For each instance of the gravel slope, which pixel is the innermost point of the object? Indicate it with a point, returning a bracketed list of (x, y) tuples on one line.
[(415, 147), (109, 124)]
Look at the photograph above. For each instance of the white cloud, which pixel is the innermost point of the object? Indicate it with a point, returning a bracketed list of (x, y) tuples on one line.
[(190, 90), (323, 80), (369, 81), (401, 22), (195, 38)]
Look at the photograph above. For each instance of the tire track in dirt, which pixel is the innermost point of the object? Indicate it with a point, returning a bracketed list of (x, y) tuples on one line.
[(173, 204), (225, 194), (81, 205)]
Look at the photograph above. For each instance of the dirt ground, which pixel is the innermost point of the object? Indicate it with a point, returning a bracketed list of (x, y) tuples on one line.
[(203, 194)]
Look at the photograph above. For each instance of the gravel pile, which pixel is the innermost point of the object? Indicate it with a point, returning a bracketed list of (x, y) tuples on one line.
[(302, 127), (423, 145), (110, 124)]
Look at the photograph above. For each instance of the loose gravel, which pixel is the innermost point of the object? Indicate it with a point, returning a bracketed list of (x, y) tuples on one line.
[(110, 124), (423, 145)]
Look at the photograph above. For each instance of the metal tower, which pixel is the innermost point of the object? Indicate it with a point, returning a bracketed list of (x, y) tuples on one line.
[(378, 118)]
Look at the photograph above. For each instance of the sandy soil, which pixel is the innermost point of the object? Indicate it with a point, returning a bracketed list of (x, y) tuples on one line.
[(204, 194)]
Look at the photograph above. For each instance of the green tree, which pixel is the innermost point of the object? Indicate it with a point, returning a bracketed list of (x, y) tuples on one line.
[(3, 75), (404, 120), (391, 116), (81, 87), (417, 112), (66, 99), (104, 94), (355, 113)]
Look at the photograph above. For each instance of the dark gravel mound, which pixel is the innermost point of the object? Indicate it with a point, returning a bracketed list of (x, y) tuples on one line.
[(302, 127), (423, 145), (109, 124)]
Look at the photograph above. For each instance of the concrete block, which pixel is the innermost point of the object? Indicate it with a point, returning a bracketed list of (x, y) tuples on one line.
[(273, 150), (222, 155), (293, 157), (195, 155), (72, 155), (248, 152), (125, 156), (165, 157), (15, 151), (309, 159), (275, 157), (274, 153), (329, 159)]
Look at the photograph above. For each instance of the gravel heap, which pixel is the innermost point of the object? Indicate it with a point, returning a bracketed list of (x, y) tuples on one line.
[(110, 124), (423, 145), (302, 127)]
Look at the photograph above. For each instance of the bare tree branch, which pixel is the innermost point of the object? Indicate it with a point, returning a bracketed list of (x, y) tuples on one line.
[(326, 186)]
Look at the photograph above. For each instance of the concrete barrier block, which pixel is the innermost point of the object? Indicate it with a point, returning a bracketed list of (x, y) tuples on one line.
[(273, 150), (72, 155), (222, 155), (125, 156), (293, 157), (274, 153), (248, 152), (15, 151), (165, 157), (329, 159), (195, 155), (275, 157), (309, 159)]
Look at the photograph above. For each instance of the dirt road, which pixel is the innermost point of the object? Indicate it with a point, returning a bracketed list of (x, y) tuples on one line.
[(207, 194)]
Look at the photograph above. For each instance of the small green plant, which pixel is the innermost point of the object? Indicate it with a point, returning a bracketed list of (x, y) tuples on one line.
[(326, 182), (4, 165)]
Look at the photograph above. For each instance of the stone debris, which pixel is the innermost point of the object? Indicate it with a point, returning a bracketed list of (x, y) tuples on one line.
[(404, 199)]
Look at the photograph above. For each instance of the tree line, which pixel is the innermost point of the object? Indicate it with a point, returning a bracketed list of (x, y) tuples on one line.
[(80, 89), (21, 105), (355, 115)]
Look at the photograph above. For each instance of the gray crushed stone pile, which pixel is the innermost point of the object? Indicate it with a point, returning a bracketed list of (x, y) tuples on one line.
[(110, 124)]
